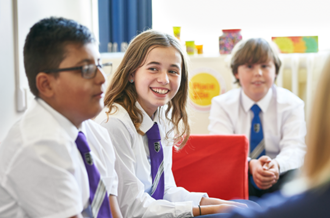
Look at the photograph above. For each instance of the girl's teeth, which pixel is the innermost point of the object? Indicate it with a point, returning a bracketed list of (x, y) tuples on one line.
[(160, 91)]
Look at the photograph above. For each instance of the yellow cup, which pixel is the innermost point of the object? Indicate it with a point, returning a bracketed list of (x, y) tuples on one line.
[(199, 49), (190, 47), (177, 31)]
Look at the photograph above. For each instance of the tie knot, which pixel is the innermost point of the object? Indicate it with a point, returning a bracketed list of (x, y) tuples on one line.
[(153, 132), (255, 109), (81, 143)]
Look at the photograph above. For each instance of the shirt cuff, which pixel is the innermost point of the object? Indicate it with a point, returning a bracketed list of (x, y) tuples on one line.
[(196, 197), (184, 209), (281, 164)]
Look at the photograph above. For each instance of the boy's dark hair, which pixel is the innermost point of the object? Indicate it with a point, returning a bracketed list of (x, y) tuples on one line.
[(45, 44), (254, 51)]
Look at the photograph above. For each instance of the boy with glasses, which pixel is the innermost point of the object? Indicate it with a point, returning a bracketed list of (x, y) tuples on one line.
[(55, 161)]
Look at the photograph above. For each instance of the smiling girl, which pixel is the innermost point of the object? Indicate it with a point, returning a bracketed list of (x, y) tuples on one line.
[(146, 115)]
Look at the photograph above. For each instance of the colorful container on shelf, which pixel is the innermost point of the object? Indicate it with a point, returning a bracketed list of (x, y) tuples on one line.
[(199, 49), (297, 44), (228, 40), (177, 32), (190, 47)]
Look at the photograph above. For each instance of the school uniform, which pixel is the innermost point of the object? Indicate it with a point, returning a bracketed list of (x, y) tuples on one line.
[(134, 168), (282, 118), (42, 173), (309, 204)]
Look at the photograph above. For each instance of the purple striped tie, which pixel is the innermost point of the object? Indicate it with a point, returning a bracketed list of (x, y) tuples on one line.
[(98, 197), (157, 162)]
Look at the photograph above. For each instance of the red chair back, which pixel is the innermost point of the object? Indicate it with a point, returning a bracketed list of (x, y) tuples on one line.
[(216, 164)]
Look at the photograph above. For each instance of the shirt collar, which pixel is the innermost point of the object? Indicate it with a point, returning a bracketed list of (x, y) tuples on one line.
[(66, 124), (263, 103), (147, 122)]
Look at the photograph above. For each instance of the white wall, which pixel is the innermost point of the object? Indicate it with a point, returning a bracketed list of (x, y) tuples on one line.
[(29, 12), (8, 114), (203, 20)]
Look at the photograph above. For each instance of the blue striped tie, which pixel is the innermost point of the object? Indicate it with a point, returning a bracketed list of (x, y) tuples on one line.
[(257, 143)]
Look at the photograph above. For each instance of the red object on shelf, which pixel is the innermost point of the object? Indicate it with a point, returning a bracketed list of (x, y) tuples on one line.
[(231, 30), (215, 164)]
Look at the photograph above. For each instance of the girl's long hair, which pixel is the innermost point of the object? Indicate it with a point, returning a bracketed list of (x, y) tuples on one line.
[(124, 93), (317, 160)]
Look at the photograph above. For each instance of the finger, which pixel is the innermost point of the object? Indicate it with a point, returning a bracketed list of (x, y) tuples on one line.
[(238, 204), (271, 164), (265, 173), (265, 166), (264, 159), (265, 183), (264, 187), (276, 174), (269, 183), (262, 179), (224, 208)]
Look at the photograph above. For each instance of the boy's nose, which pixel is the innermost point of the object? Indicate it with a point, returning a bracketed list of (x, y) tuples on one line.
[(100, 76), (163, 77), (258, 71)]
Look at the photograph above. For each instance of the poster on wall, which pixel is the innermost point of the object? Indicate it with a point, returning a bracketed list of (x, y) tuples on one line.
[(204, 84)]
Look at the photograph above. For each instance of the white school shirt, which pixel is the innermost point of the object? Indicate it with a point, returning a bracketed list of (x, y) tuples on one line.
[(42, 173), (282, 118), (134, 169)]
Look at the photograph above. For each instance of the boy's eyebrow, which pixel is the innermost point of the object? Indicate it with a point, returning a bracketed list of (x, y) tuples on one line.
[(88, 61), (157, 63)]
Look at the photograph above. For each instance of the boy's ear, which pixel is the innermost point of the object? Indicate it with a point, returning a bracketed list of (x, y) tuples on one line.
[(44, 83), (236, 76)]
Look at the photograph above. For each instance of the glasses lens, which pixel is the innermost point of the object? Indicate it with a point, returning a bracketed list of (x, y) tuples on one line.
[(89, 71), (107, 68)]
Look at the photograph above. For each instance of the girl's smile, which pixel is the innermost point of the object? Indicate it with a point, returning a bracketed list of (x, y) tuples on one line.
[(158, 79)]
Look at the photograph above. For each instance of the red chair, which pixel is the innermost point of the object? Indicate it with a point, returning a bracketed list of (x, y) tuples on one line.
[(215, 164)]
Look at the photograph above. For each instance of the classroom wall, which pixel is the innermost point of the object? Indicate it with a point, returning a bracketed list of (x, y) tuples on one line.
[(203, 20), (8, 113), (29, 12)]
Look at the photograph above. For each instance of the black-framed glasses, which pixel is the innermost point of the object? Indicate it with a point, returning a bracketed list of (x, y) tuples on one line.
[(87, 71)]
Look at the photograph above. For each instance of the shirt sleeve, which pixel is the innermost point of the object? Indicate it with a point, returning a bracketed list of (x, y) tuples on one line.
[(292, 145), (220, 122), (112, 179), (42, 181), (133, 201), (101, 145)]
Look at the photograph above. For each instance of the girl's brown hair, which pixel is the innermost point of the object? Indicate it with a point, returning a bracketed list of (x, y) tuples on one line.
[(253, 51), (124, 93), (317, 160)]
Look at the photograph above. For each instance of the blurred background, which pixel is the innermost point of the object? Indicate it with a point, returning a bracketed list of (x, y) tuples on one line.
[(116, 22)]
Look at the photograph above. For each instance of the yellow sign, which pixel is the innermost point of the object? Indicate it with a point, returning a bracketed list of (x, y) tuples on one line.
[(202, 88)]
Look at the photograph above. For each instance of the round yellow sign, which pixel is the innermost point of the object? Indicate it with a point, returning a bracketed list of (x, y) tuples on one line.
[(202, 88)]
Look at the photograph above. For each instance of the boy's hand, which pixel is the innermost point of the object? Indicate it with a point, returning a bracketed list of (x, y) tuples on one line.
[(273, 167), (262, 176)]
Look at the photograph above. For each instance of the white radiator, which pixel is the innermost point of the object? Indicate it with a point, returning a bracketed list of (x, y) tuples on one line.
[(300, 73)]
